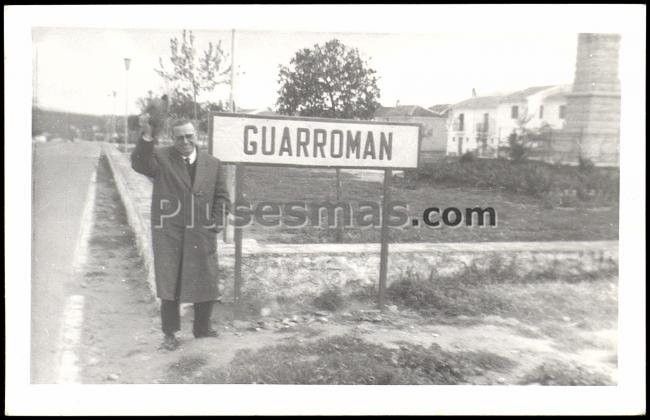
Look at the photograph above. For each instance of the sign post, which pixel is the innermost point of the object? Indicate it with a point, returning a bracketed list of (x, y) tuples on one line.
[(314, 142), (238, 235), (383, 252)]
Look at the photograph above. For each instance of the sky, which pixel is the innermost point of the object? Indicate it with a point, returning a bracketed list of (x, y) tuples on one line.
[(78, 69)]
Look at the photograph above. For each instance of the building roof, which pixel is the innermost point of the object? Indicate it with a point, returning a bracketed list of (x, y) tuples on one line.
[(265, 112), (521, 95), (492, 101), (440, 109), (404, 111), (479, 102), (560, 93), (258, 111), (556, 96)]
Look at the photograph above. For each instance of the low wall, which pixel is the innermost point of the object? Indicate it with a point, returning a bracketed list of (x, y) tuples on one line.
[(293, 271), (135, 192)]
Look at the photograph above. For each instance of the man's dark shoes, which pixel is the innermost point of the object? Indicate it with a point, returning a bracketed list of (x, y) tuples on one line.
[(207, 333), (170, 343)]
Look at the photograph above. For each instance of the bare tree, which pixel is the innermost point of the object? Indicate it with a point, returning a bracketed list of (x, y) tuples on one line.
[(192, 74)]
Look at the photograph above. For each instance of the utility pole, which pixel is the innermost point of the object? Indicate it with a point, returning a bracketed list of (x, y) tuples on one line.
[(127, 63), (35, 112), (114, 125), (232, 71), (228, 232), (35, 80)]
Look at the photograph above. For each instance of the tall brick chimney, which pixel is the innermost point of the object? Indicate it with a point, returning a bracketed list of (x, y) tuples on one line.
[(593, 108)]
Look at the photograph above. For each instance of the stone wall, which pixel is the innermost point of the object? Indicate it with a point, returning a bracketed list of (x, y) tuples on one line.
[(299, 271), (295, 271)]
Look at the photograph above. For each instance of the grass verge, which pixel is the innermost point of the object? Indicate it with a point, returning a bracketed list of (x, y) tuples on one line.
[(498, 290), (520, 217)]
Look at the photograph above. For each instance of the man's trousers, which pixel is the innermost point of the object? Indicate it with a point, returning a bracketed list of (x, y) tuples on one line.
[(171, 316)]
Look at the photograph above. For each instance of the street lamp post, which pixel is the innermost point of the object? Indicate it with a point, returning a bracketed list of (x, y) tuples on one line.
[(110, 125), (127, 63), (114, 116)]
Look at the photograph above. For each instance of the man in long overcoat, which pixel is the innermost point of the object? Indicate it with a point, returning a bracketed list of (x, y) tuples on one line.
[(189, 204)]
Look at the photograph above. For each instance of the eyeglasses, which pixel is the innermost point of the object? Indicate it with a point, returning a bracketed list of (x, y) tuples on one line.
[(184, 137)]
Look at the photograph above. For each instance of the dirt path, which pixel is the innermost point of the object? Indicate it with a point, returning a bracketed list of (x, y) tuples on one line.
[(504, 337), (121, 329)]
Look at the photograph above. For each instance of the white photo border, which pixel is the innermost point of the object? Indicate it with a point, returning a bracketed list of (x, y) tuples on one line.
[(628, 397)]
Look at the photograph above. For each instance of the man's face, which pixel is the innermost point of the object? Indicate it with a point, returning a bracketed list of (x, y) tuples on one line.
[(184, 138)]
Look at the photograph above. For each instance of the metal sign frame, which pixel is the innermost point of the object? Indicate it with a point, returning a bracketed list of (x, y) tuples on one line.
[(239, 175)]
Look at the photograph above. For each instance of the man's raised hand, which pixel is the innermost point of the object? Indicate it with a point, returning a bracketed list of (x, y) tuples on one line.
[(157, 109), (145, 127)]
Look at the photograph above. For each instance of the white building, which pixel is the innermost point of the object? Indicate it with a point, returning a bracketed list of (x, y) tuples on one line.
[(472, 125), (433, 122), (482, 124)]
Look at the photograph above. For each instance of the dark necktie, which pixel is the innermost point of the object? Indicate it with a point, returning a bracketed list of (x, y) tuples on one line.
[(188, 165)]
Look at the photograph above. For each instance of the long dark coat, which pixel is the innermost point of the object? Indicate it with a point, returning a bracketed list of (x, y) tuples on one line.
[(185, 220)]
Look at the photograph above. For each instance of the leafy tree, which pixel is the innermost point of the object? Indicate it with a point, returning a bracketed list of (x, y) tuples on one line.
[(523, 140), (191, 74), (184, 105), (181, 105), (143, 103), (517, 148), (206, 109), (133, 122), (329, 80)]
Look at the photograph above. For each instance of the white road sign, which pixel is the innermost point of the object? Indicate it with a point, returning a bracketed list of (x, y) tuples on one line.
[(313, 142)]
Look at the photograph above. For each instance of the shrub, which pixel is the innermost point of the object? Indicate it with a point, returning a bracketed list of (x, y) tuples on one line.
[(413, 291), (467, 157), (551, 200), (533, 178), (516, 149), (330, 300), (446, 296), (585, 165), (537, 181)]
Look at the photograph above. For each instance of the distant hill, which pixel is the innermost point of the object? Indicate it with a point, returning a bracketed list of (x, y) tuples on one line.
[(58, 123)]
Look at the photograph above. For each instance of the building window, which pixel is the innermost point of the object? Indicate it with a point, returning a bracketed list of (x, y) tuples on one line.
[(461, 122), (562, 112), (541, 112), (514, 112)]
